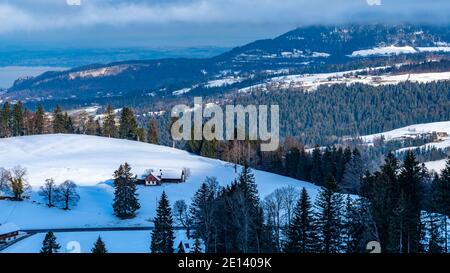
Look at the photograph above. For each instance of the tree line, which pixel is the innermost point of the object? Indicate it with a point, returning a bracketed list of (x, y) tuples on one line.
[(17, 120)]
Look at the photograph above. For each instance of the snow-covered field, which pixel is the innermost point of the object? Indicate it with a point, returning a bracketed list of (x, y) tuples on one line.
[(82, 242), (396, 50), (414, 131), (411, 130), (90, 161), (312, 81)]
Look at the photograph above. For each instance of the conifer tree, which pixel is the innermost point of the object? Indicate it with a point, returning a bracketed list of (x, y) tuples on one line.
[(410, 183), (292, 161), (99, 247), (128, 125), (301, 233), (153, 132), (49, 245), (354, 223), (109, 124), (441, 196), (353, 174), (5, 124), (125, 202), (329, 206), (162, 235), (18, 119), (316, 171), (181, 248), (303, 168), (197, 248), (59, 122), (39, 120)]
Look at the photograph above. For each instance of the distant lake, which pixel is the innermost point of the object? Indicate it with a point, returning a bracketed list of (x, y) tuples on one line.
[(8, 74)]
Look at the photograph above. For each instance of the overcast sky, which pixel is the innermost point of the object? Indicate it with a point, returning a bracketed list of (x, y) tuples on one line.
[(120, 23)]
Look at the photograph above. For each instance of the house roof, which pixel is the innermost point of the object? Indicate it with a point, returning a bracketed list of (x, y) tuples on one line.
[(167, 174), (170, 173), (8, 228)]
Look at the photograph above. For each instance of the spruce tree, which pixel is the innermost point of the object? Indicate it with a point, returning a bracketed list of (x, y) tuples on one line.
[(128, 125), (292, 159), (5, 124), (99, 247), (162, 235), (301, 233), (303, 168), (153, 132), (18, 119), (410, 182), (354, 225), (316, 171), (441, 197), (353, 174), (197, 248), (39, 120), (329, 206), (49, 245), (125, 202), (109, 128), (181, 248), (59, 122)]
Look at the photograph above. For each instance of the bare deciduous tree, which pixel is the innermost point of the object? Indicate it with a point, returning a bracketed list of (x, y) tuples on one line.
[(48, 191), (182, 216), (67, 194)]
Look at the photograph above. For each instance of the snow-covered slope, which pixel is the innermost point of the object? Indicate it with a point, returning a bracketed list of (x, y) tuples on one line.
[(312, 81), (415, 131), (90, 161)]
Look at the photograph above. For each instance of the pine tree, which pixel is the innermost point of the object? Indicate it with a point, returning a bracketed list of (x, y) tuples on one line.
[(301, 233), (5, 124), (59, 122), (329, 206), (128, 125), (353, 174), (247, 186), (441, 196), (202, 211), (292, 159), (197, 248), (162, 235), (153, 132), (316, 171), (303, 168), (181, 248), (49, 245), (17, 119), (99, 247), (109, 124), (39, 120), (410, 190), (354, 223), (125, 202)]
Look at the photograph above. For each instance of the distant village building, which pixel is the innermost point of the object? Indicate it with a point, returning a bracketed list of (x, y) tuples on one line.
[(163, 176), (8, 232)]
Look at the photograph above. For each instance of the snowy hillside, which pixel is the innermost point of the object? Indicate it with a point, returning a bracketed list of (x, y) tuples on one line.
[(90, 162), (415, 131), (312, 81)]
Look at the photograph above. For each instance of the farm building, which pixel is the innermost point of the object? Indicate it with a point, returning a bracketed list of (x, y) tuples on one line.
[(163, 176)]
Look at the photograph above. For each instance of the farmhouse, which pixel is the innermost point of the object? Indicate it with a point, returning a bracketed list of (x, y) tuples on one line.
[(8, 232), (163, 176)]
